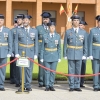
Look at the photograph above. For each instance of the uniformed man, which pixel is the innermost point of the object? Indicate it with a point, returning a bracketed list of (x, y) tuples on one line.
[(50, 55), (15, 22), (5, 50), (82, 24), (15, 70), (83, 67), (27, 40), (42, 29), (75, 49), (94, 52), (12, 65)]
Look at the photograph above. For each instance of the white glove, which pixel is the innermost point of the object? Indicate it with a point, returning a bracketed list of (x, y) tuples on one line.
[(35, 56), (83, 58), (88, 58), (41, 60), (17, 55), (59, 60), (8, 55), (91, 57), (65, 57), (12, 55)]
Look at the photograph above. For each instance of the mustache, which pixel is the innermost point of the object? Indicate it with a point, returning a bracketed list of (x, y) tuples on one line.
[(25, 24)]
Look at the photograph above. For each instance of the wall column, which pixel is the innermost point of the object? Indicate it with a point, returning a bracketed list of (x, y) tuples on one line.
[(38, 12), (68, 24), (8, 13)]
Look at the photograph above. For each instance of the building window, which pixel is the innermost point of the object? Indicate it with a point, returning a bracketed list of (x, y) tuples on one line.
[(16, 12), (82, 15), (53, 13)]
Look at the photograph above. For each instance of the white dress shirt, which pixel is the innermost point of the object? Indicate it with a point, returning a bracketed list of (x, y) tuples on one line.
[(52, 34), (1, 28), (76, 29), (28, 28), (45, 27)]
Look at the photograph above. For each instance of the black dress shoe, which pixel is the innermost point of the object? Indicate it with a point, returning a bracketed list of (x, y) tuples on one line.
[(17, 85), (82, 86), (47, 89), (78, 89), (96, 89), (28, 89), (71, 89), (12, 82), (20, 89), (2, 89), (40, 85), (51, 88)]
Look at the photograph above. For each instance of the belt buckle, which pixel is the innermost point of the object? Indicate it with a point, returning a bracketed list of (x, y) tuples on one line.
[(76, 47), (27, 45), (50, 50)]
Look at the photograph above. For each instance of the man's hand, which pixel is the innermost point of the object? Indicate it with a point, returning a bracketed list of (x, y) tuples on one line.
[(35, 56), (59, 60), (83, 58), (17, 55), (91, 57), (65, 58), (41, 60), (8, 55)]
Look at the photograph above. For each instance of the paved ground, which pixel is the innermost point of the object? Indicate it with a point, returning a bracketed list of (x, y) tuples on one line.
[(61, 93)]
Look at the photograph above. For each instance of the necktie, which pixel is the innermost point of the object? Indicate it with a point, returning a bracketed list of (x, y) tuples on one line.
[(26, 30), (75, 30), (52, 35), (46, 27)]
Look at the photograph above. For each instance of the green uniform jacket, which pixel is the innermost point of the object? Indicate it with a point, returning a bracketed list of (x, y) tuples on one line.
[(51, 44), (76, 40), (26, 39), (41, 32), (5, 38)]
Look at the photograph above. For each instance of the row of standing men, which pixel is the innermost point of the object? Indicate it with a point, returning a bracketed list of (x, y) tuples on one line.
[(79, 46), (44, 43)]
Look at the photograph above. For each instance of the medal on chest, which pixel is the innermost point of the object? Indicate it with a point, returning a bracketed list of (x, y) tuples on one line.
[(81, 38), (56, 42), (14, 32), (32, 35), (5, 36)]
